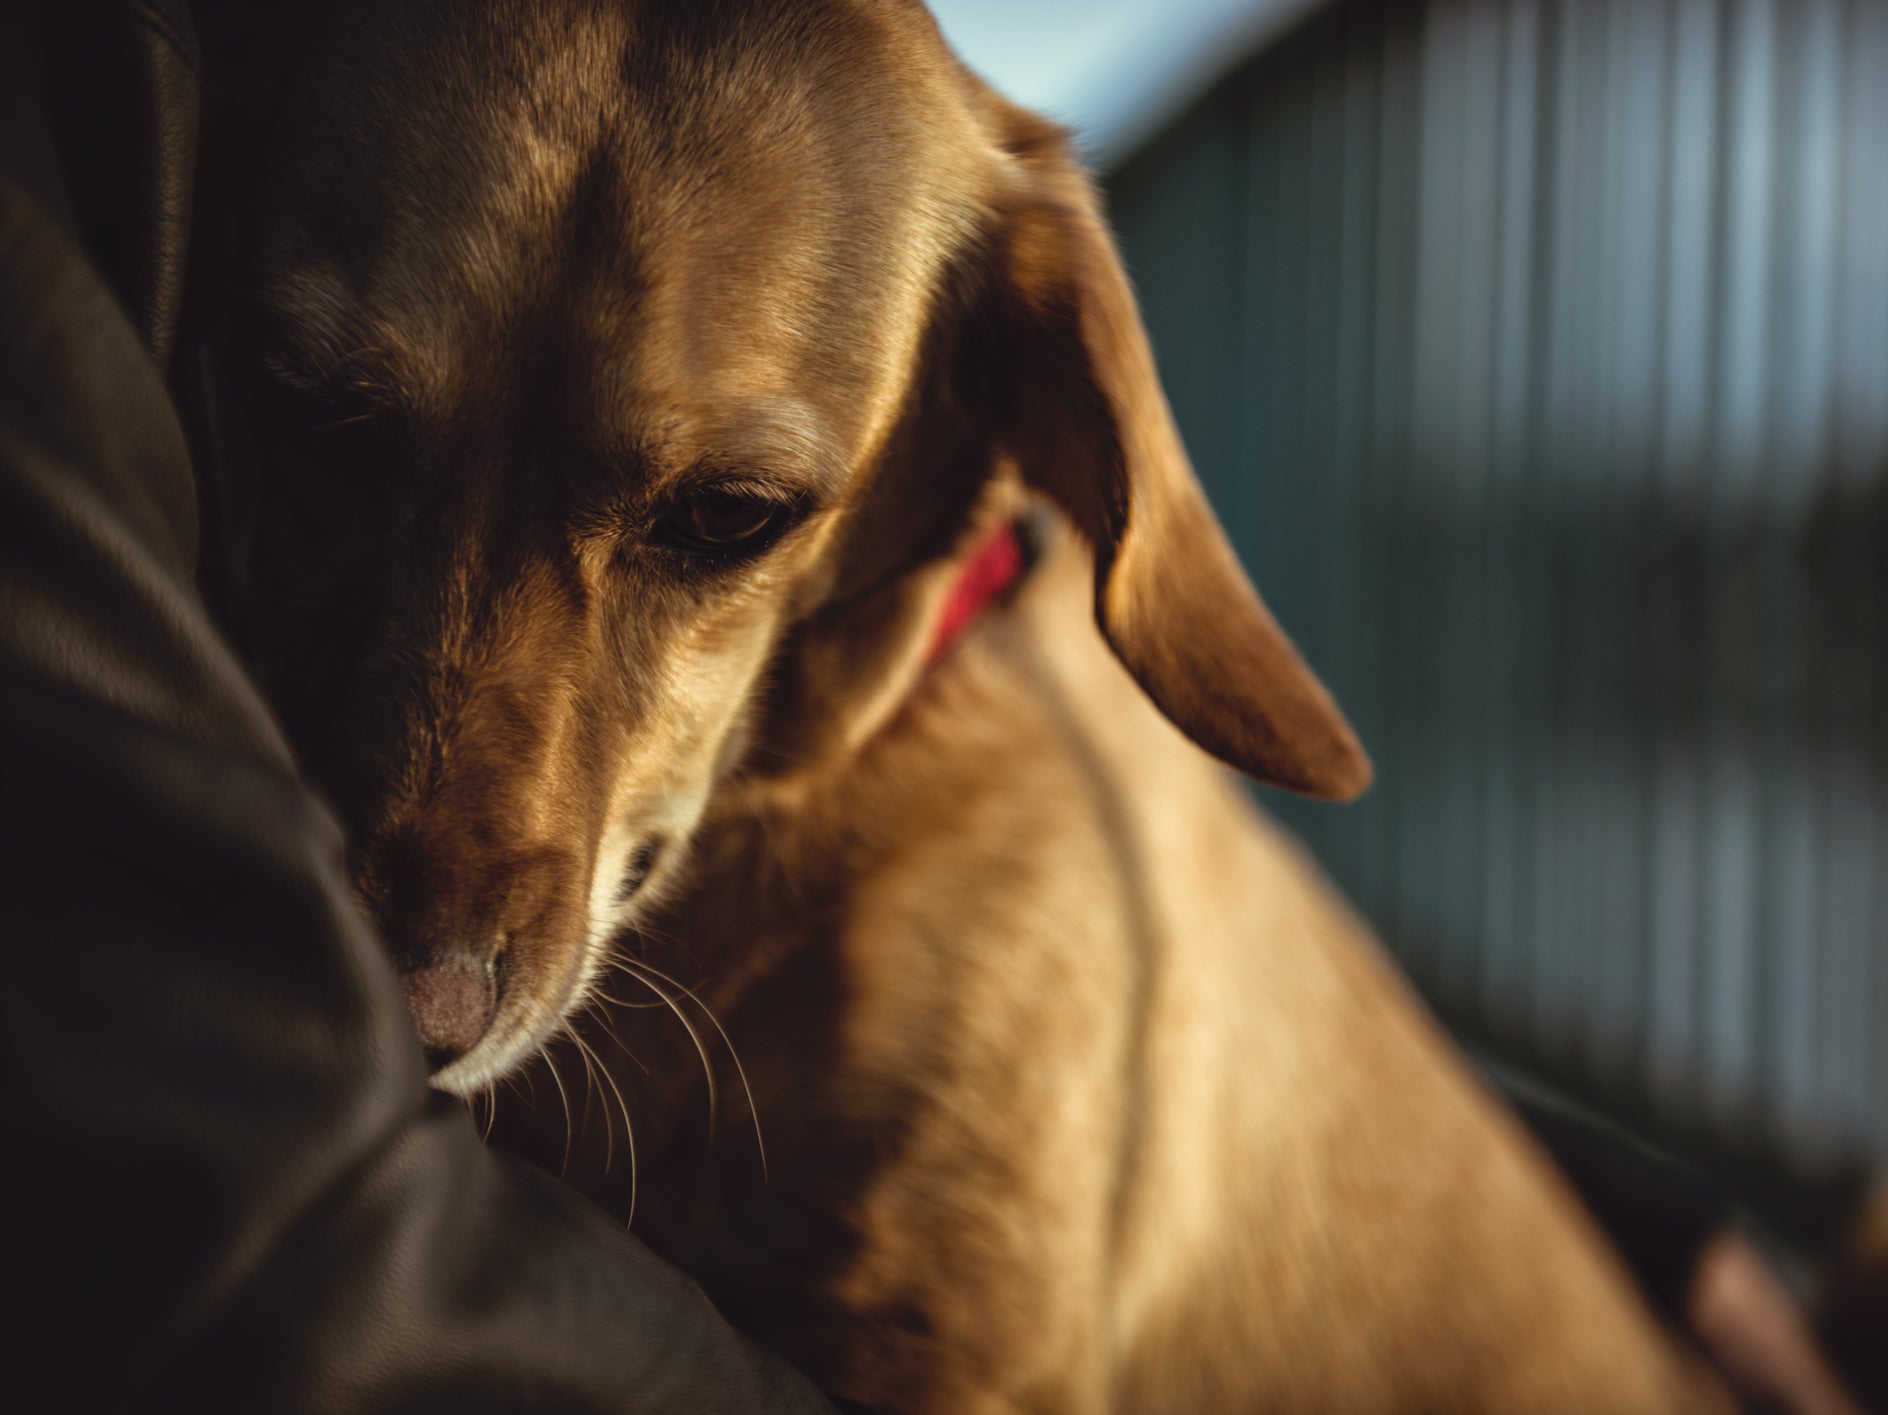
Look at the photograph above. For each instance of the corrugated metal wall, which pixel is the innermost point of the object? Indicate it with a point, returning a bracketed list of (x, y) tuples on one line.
[(1536, 355)]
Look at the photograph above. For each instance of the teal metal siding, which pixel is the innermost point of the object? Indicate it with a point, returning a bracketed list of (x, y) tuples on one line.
[(1536, 356)]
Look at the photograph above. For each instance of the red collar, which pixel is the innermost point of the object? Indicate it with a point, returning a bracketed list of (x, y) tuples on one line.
[(985, 577)]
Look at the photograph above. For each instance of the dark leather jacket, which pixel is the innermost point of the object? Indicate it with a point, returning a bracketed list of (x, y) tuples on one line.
[(228, 1187)]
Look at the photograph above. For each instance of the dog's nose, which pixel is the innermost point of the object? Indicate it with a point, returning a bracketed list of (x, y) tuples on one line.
[(452, 1002)]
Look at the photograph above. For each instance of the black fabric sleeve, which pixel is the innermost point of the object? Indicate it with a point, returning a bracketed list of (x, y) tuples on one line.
[(229, 1187)]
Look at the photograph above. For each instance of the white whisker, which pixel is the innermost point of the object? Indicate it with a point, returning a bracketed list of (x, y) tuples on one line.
[(629, 1126), (564, 1096), (639, 972), (588, 1058), (733, 1055)]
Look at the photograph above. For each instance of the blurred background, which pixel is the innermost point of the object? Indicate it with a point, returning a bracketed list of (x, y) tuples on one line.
[(1536, 357)]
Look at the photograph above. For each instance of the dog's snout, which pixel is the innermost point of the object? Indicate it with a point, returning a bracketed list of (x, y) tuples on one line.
[(475, 920), (452, 1002)]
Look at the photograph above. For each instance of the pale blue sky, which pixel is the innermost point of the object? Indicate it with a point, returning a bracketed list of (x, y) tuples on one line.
[(1114, 70)]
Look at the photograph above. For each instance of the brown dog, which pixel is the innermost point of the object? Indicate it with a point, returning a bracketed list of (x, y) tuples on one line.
[(640, 378)]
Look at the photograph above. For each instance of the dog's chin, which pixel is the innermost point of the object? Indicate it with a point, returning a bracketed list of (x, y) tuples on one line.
[(478, 1070), (514, 1039)]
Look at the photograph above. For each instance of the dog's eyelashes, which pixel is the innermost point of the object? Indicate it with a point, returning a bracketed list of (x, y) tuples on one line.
[(718, 521)]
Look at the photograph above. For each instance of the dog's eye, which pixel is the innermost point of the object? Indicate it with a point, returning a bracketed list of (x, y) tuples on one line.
[(719, 519)]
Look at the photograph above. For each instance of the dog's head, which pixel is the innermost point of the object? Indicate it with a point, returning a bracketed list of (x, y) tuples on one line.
[(609, 352)]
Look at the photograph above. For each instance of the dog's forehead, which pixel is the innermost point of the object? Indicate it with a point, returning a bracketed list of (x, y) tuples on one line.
[(673, 203)]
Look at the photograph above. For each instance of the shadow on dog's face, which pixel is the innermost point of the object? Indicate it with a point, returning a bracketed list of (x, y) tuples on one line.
[(598, 346)]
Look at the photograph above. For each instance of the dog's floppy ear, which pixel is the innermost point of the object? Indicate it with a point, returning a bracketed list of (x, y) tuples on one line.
[(1069, 368)]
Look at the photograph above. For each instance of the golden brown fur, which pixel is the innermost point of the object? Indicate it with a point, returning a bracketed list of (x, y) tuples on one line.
[(1080, 1089), (1125, 1110)]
